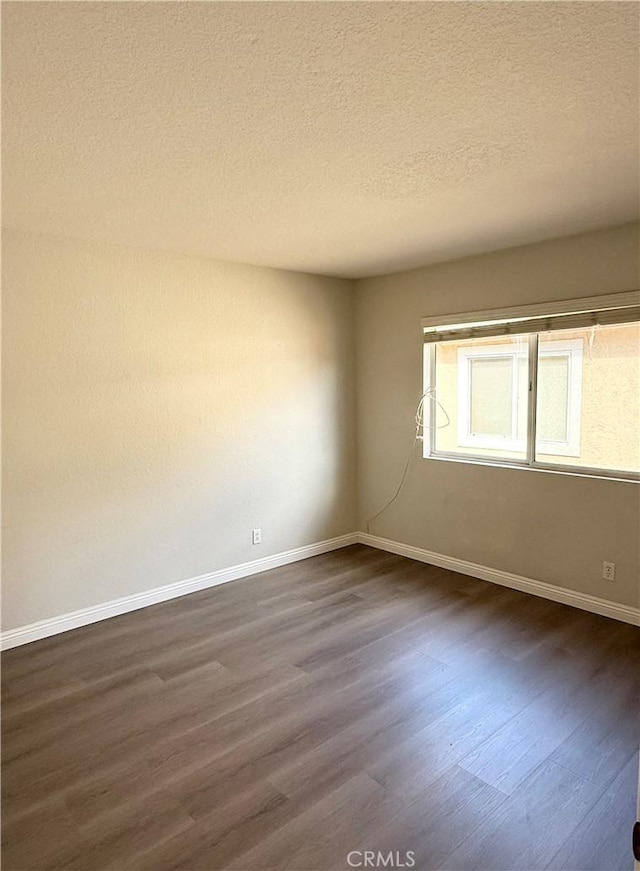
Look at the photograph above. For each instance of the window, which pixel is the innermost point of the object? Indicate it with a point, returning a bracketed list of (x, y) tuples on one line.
[(557, 390), (493, 396)]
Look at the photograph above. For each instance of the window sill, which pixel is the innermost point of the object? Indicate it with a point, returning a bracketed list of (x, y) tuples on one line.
[(626, 477)]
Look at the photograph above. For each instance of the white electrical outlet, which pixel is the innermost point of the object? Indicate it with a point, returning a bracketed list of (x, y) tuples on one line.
[(609, 571), (256, 536)]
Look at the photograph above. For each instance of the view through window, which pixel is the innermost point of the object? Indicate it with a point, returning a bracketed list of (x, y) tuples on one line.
[(587, 395)]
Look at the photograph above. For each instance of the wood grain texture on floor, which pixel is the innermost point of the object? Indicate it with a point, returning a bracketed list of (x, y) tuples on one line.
[(356, 701)]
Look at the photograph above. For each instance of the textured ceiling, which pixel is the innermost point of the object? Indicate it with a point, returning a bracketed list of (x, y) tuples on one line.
[(342, 138)]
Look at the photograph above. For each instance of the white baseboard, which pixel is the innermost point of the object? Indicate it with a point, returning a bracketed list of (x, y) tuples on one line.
[(64, 622), (604, 607)]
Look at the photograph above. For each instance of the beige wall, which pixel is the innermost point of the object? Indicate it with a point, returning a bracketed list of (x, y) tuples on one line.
[(156, 408), (544, 526)]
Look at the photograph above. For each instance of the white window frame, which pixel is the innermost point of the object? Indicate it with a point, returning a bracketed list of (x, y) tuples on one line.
[(571, 348), (544, 310), (466, 438)]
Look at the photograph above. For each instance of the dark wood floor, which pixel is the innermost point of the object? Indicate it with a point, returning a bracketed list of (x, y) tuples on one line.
[(355, 701)]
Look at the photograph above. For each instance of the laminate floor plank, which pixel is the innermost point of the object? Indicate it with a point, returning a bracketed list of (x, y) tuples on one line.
[(409, 768), (514, 750), (601, 841), (353, 701), (526, 831), (353, 811), (220, 836), (603, 743), (437, 821), (247, 755), (274, 716)]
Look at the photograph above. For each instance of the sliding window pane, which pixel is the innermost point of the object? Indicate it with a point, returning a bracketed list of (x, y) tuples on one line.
[(481, 385), (588, 395)]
